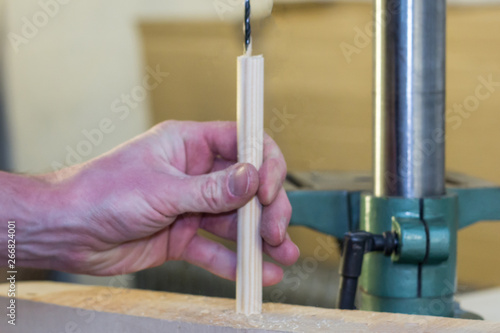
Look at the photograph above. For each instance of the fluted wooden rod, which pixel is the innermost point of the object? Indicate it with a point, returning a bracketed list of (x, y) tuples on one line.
[(250, 150)]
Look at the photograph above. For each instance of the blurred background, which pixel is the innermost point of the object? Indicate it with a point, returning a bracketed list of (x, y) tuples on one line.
[(67, 66)]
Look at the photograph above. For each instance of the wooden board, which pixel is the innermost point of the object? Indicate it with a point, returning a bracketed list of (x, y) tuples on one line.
[(59, 307)]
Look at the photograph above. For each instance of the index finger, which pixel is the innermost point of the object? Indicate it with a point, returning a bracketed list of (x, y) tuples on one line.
[(219, 138), (194, 147), (272, 174)]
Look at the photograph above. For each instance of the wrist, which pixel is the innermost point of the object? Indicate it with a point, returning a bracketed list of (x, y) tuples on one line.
[(34, 203)]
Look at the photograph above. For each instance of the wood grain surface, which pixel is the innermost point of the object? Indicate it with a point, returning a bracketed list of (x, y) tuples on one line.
[(250, 109), (58, 307)]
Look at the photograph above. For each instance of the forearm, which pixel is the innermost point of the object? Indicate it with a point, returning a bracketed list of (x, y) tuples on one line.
[(31, 202)]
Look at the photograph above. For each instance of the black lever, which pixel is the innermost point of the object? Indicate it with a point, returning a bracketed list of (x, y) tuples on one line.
[(356, 244)]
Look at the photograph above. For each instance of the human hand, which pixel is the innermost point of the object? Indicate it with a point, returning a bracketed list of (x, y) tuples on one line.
[(143, 203)]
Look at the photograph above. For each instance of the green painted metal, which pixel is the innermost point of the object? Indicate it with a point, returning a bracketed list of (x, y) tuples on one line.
[(477, 204), (440, 279), (421, 277), (422, 287), (380, 276), (412, 235), (330, 212), (412, 240), (436, 306), (336, 212), (439, 240)]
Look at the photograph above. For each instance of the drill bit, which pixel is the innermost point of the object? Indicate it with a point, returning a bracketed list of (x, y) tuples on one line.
[(248, 29)]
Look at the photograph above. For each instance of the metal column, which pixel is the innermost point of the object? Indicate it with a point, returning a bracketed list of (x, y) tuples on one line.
[(409, 98), (409, 196)]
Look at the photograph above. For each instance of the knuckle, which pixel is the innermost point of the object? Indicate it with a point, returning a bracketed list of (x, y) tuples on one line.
[(166, 125), (211, 193), (159, 260), (169, 123), (213, 256), (277, 168), (271, 233), (74, 260)]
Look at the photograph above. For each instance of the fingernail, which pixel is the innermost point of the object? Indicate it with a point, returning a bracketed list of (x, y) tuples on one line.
[(298, 249), (282, 228), (290, 239), (239, 182)]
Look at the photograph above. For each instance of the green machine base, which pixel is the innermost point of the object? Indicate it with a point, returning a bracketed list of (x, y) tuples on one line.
[(420, 277)]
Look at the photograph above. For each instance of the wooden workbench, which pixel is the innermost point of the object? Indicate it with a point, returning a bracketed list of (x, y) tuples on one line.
[(58, 307)]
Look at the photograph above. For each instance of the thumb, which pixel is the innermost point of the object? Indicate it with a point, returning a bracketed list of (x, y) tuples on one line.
[(218, 192)]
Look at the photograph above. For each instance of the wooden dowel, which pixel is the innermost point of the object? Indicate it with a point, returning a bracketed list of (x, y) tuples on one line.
[(250, 150)]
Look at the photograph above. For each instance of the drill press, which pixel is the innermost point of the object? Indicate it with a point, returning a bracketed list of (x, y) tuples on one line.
[(404, 257), (409, 196)]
